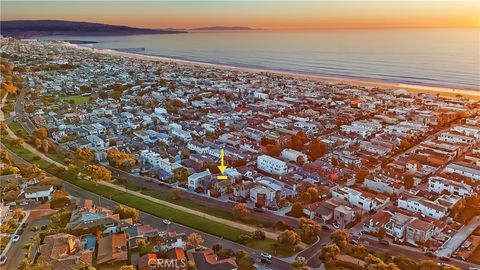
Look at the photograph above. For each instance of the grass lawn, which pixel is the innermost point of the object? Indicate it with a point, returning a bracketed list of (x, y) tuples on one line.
[(269, 245), (78, 100), (17, 129), (163, 211)]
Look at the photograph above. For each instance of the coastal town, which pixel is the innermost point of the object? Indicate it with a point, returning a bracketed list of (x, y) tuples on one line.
[(120, 161)]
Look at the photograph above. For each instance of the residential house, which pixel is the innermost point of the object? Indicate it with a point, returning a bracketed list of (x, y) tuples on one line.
[(38, 193), (271, 165), (207, 260), (112, 251), (65, 251)]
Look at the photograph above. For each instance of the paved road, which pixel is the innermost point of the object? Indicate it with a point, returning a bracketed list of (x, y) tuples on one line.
[(156, 222), (460, 236), (16, 253)]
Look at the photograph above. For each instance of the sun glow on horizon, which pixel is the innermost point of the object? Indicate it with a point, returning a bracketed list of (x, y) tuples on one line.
[(266, 15)]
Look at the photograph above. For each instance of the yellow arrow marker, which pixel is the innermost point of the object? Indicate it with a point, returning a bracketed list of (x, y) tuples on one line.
[(222, 167)]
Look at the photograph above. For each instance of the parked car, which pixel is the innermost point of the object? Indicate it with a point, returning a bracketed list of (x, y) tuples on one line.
[(258, 209), (384, 242), (442, 264), (325, 227), (15, 238), (23, 204), (24, 225), (353, 242), (19, 232), (445, 259), (167, 222), (335, 226), (3, 260)]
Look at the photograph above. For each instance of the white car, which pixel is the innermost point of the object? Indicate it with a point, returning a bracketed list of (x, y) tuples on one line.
[(265, 255), (335, 226), (15, 238), (3, 260), (443, 264), (167, 222)]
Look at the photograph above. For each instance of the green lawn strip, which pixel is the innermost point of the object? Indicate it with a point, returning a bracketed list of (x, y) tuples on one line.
[(159, 210), (131, 200), (270, 246), (78, 100), (17, 129), (185, 202)]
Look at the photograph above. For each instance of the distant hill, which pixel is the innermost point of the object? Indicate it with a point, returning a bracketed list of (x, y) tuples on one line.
[(32, 28), (224, 28)]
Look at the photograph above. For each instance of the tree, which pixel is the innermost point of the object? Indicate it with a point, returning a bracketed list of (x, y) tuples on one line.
[(144, 247), (297, 210), (404, 262), (329, 253), (341, 238), (305, 197), (194, 240), (120, 159), (289, 239), (176, 194), (314, 194), (85, 154), (309, 230), (244, 260), (297, 141), (42, 133), (381, 233), (408, 181), (317, 149), (360, 175), (259, 235), (240, 211), (99, 173), (375, 263), (127, 212), (45, 145), (273, 150)]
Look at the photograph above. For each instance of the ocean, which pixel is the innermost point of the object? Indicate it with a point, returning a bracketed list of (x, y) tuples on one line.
[(428, 57)]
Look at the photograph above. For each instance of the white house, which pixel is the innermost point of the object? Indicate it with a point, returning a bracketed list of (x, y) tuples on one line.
[(360, 199), (465, 169), (262, 195), (198, 147), (471, 131), (271, 165), (422, 205), (38, 193), (182, 134), (194, 179), (293, 155), (455, 137), (439, 184)]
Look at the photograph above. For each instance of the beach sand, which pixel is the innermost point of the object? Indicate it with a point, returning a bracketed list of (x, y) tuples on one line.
[(473, 95)]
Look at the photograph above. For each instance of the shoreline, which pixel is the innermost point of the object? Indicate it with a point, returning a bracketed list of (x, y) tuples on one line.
[(473, 95)]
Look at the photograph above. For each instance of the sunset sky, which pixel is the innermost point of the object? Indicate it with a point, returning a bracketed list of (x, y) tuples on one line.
[(266, 14)]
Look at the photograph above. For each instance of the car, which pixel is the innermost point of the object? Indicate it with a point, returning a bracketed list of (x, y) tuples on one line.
[(266, 255), (23, 204), (167, 222), (3, 260), (384, 242), (443, 264), (335, 226), (445, 259), (44, 227), (24, 225), (353, 242), (258, 209), (473, 268), (325, 227), (15, 238), (19, 232)]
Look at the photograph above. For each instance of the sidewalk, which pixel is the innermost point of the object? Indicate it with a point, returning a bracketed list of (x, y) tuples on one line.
[(245, 227)]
